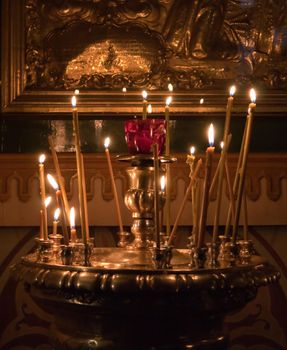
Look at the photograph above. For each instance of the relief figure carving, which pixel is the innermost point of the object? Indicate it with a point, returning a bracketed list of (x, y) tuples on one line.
[(193, 26), (100, 44)]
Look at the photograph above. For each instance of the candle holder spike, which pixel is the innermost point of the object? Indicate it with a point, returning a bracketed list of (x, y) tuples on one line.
[(212, 254), (88, 251), (162, 257), (124, 239), (199, 257), (67, 255), (222, 248), (44, 250), (78, 253), (56, 245), (244, 252), (229, 256)]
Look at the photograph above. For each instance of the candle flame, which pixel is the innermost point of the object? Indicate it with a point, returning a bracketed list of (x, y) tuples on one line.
[(124, 89), (232, 90), (149, 109), (252, 94), (42, 158), (57, 214), (168, 101), (77, 92), (162, 183), (201, 101), (48, 200), (170, 87), (144, 95), (211, 135), (221, 144), (107, 142), (192, 150), (74, 101), (53, 182), (72, 217)]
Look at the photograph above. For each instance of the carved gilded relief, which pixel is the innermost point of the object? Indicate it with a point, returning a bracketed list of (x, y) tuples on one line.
[(99, 45), (195, 44)]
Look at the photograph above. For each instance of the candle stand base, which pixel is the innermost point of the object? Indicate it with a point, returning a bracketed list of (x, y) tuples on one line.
[(122, 302)]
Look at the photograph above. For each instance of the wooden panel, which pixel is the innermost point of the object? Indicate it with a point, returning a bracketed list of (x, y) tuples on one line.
[(24, 168)]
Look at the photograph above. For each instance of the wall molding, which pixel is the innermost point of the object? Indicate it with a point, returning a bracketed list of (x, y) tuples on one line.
[(24, 169)]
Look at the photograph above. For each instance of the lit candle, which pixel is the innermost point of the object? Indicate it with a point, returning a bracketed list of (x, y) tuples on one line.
[(80, 173), (245, 217), (206, 185), (170, 87), (107, 143), (167, 139), (162, 188), (191, 162), (192, 180), (42, 159), (85, 196), (235, 185), (230, 191), (249, 121), (55, 186), (47, 202), (59, 176), (228, 113), (149, 109), (216, 174), (162, 183), (56, 220), (41, 225), (156, 197), (73, 225), (167, 153), (221, 166), (144, 95)]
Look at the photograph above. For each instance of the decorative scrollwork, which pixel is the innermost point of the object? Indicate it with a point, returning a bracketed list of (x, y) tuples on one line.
[(226, 288), (196, 42)]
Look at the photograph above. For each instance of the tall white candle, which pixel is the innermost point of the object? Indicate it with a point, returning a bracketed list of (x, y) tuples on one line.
[(107, 144), (249, 121), (42, 159)]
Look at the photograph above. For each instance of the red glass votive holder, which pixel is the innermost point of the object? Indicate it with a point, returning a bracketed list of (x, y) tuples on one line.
[(141, 134)]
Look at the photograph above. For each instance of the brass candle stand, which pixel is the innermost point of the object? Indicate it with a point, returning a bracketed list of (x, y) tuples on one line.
[(139, 199), (140, 296), (123, 302)]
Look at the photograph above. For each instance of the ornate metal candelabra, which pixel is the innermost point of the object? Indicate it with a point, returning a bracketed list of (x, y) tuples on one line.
[(145, 295), (139, 199), (123, 300)]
